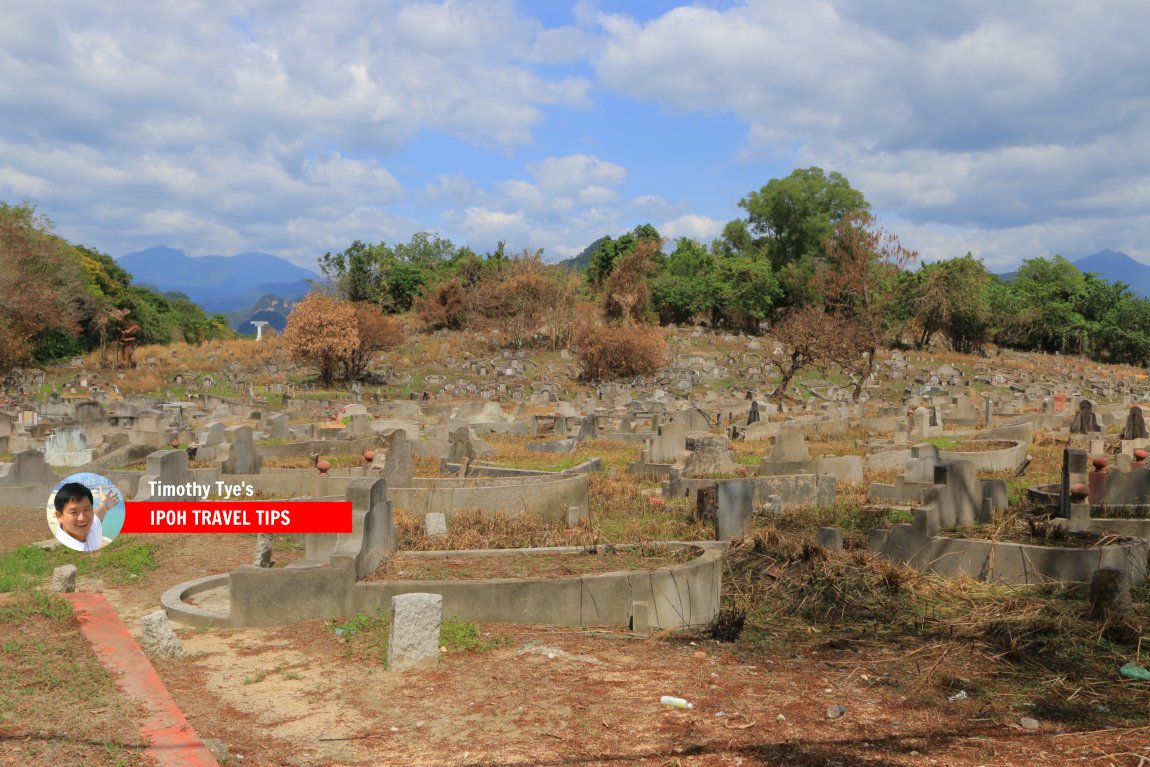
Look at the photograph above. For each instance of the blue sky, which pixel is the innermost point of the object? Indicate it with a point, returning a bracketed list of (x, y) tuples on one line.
[(1010, 130)]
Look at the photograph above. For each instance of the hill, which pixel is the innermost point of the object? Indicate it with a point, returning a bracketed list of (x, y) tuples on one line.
[(239, 286), (1115, 266), (218, 283)]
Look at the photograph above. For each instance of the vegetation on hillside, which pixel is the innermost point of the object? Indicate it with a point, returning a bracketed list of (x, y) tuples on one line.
[(58, 300), (807, 262)]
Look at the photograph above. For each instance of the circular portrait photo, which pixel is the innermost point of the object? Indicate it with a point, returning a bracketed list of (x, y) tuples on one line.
[(85, 511)]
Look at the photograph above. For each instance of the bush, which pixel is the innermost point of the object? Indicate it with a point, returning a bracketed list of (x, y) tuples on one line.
[(608, 352), (444, 307)]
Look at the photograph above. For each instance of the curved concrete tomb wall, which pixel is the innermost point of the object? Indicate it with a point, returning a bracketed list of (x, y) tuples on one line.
[(1005, 459), (678, 596), (1013, 563)]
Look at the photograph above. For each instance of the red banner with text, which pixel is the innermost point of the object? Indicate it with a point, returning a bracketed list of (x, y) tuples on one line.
[(237, 517)]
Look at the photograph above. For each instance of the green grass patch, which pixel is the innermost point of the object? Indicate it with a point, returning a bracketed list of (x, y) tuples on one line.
[(35, 603), (369, 634), (121, 560)]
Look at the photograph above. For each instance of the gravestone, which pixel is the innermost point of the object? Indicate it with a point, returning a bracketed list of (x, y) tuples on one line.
[(735, 510), (67, 447), (242, 457), (830, 538), (393, 459), (459, 447), (1135, 427), (1085, 420), (276, 427), (414, 638), (263, 557), (789, 445), (709, 455), (435, 524)]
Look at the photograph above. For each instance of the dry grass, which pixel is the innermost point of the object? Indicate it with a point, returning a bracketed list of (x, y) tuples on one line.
[(474, 530), (1037, 639)]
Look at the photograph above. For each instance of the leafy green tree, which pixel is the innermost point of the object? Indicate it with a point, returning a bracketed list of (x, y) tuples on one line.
[(1123, 336), (1051, 293), (687, 285), (747, 291), (606, 252), (798, 213), (952, 297), (41, 286), (356, 271)]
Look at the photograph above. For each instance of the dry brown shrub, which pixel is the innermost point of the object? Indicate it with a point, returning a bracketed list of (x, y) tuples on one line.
[(607, 352), (446, 306), (322, 331)]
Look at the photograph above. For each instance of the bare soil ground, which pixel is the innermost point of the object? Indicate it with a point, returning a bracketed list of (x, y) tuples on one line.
[(300, 695)]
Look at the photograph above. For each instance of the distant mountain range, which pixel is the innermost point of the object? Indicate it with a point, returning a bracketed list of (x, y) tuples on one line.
[(238, 286)]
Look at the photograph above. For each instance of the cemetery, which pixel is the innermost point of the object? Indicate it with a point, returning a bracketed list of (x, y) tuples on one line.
[(502, 491)]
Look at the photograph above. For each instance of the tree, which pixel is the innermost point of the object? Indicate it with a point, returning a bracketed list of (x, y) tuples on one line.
[(41, 287), (748, 290), (356, 271), (859, 284), (806, 336), (952, 298), (609, 352), (607, 253), (628, 291), (1051, 294), (377, 332), (798, 213), (323, 331)]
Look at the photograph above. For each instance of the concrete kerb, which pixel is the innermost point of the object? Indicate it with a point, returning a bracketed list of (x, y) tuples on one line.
[(179, 610)]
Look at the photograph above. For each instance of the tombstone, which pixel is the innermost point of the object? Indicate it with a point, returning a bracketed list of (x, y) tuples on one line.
[(393, 459), (242, 457), (459, 446), (435, 524), (1085, 420), (587, 429), (709, 455), (921, 423), (212, 434), (1074, 472), (989, 415), (753, 416), (67, 447), (789, 445), (734, 513), (263, 557), (1110, 596), (707, 503), (1135, 427), (276, 427), (830, 538), (415, 625)]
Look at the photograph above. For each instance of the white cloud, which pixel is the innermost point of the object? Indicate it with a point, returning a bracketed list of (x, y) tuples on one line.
[(255, 122), (692, 226), (990, 117)]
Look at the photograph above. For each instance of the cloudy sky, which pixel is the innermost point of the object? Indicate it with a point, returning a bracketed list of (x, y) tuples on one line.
[(1008, 129)]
